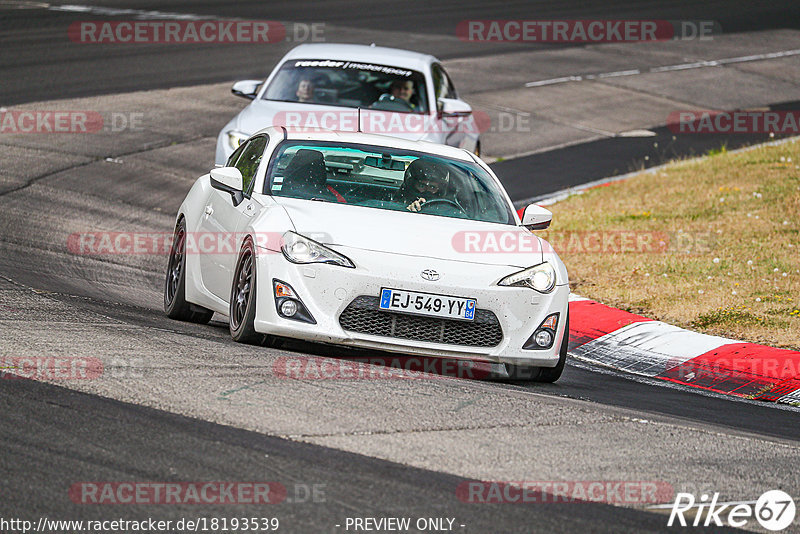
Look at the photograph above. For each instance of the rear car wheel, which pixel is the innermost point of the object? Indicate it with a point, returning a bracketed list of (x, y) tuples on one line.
[(242, 307), (175, 304)]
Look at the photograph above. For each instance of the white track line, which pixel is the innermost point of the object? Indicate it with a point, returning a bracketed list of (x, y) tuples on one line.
[(105, 11), (135, 13), (667, 68)]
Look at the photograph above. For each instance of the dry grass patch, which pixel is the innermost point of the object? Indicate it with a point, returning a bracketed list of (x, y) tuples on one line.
[(712, 245)]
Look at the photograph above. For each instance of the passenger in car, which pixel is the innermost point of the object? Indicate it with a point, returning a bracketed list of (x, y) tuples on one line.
[(305, 90), (401, 91), (306, 177)]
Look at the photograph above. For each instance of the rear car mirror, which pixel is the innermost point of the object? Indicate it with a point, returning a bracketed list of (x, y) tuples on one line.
[(246, 88), (384, 163), (536, 217), (228, 180), (453, 107)]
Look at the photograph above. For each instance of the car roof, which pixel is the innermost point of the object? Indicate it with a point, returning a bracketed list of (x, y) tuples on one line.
[(369, 139), (393, 57)]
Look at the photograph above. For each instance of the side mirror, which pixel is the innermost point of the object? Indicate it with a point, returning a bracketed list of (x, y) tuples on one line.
[(228, 180), (536, 217), (246, 88), (452, 107)]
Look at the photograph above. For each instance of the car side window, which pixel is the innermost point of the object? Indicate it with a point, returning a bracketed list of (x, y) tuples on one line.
[(439, 82), (235, 156), (249, 160), (451, 89), (442, 85)]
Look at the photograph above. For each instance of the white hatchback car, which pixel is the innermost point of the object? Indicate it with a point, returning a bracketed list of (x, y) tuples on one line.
[(400, 93), (370, 241)]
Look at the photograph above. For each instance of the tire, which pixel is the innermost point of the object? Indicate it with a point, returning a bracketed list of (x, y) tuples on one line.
[(551, 374), (175, 304), (242, 307), (542, 374)]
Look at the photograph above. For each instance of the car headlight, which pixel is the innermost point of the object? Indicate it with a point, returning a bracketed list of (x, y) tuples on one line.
[(300, 249), (540, 277), (236, 138)]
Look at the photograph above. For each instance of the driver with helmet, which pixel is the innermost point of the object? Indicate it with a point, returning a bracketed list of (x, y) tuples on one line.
[(425, 180)]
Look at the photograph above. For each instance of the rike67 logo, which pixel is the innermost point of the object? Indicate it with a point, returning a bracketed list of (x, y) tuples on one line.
[(774, 510)]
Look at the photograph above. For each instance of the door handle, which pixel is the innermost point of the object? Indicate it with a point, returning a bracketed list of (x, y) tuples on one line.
[(209, 210)]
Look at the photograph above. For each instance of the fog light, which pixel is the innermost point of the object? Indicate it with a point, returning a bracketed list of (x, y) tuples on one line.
[(543, 338), (288, 308), (289, 305)]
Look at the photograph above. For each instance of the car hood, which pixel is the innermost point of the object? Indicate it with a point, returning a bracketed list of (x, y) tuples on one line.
[(263, 113), (413, 234)]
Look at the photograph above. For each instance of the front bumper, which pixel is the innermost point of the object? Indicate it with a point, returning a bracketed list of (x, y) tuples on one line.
[(326, 290)]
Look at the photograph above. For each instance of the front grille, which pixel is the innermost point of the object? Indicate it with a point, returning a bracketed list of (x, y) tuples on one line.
[(363, 315)]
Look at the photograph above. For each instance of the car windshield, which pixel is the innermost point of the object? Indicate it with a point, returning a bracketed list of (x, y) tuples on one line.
[(349, 84), (386, 178)]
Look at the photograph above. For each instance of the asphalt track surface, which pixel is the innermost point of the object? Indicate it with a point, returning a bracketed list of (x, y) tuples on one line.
[(64, 434), (38, 65), (52, 436)]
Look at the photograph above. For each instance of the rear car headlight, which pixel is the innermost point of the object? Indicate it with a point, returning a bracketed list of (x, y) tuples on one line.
[(236, 138), (540, 277), (300, 249)]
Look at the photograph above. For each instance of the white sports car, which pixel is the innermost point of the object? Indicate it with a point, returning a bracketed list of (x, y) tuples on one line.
[(400, 93), (374, 242)]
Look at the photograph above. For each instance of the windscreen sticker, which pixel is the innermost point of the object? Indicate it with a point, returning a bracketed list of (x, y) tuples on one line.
[(351, 65)]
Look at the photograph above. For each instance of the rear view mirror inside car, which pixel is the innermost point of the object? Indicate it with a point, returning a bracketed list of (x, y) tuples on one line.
[(384, 163)]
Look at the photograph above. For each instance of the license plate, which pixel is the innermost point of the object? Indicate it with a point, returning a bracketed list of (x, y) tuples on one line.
[(414, 302)]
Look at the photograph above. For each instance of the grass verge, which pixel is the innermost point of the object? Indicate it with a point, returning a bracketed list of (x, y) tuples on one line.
[(712, 244)]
